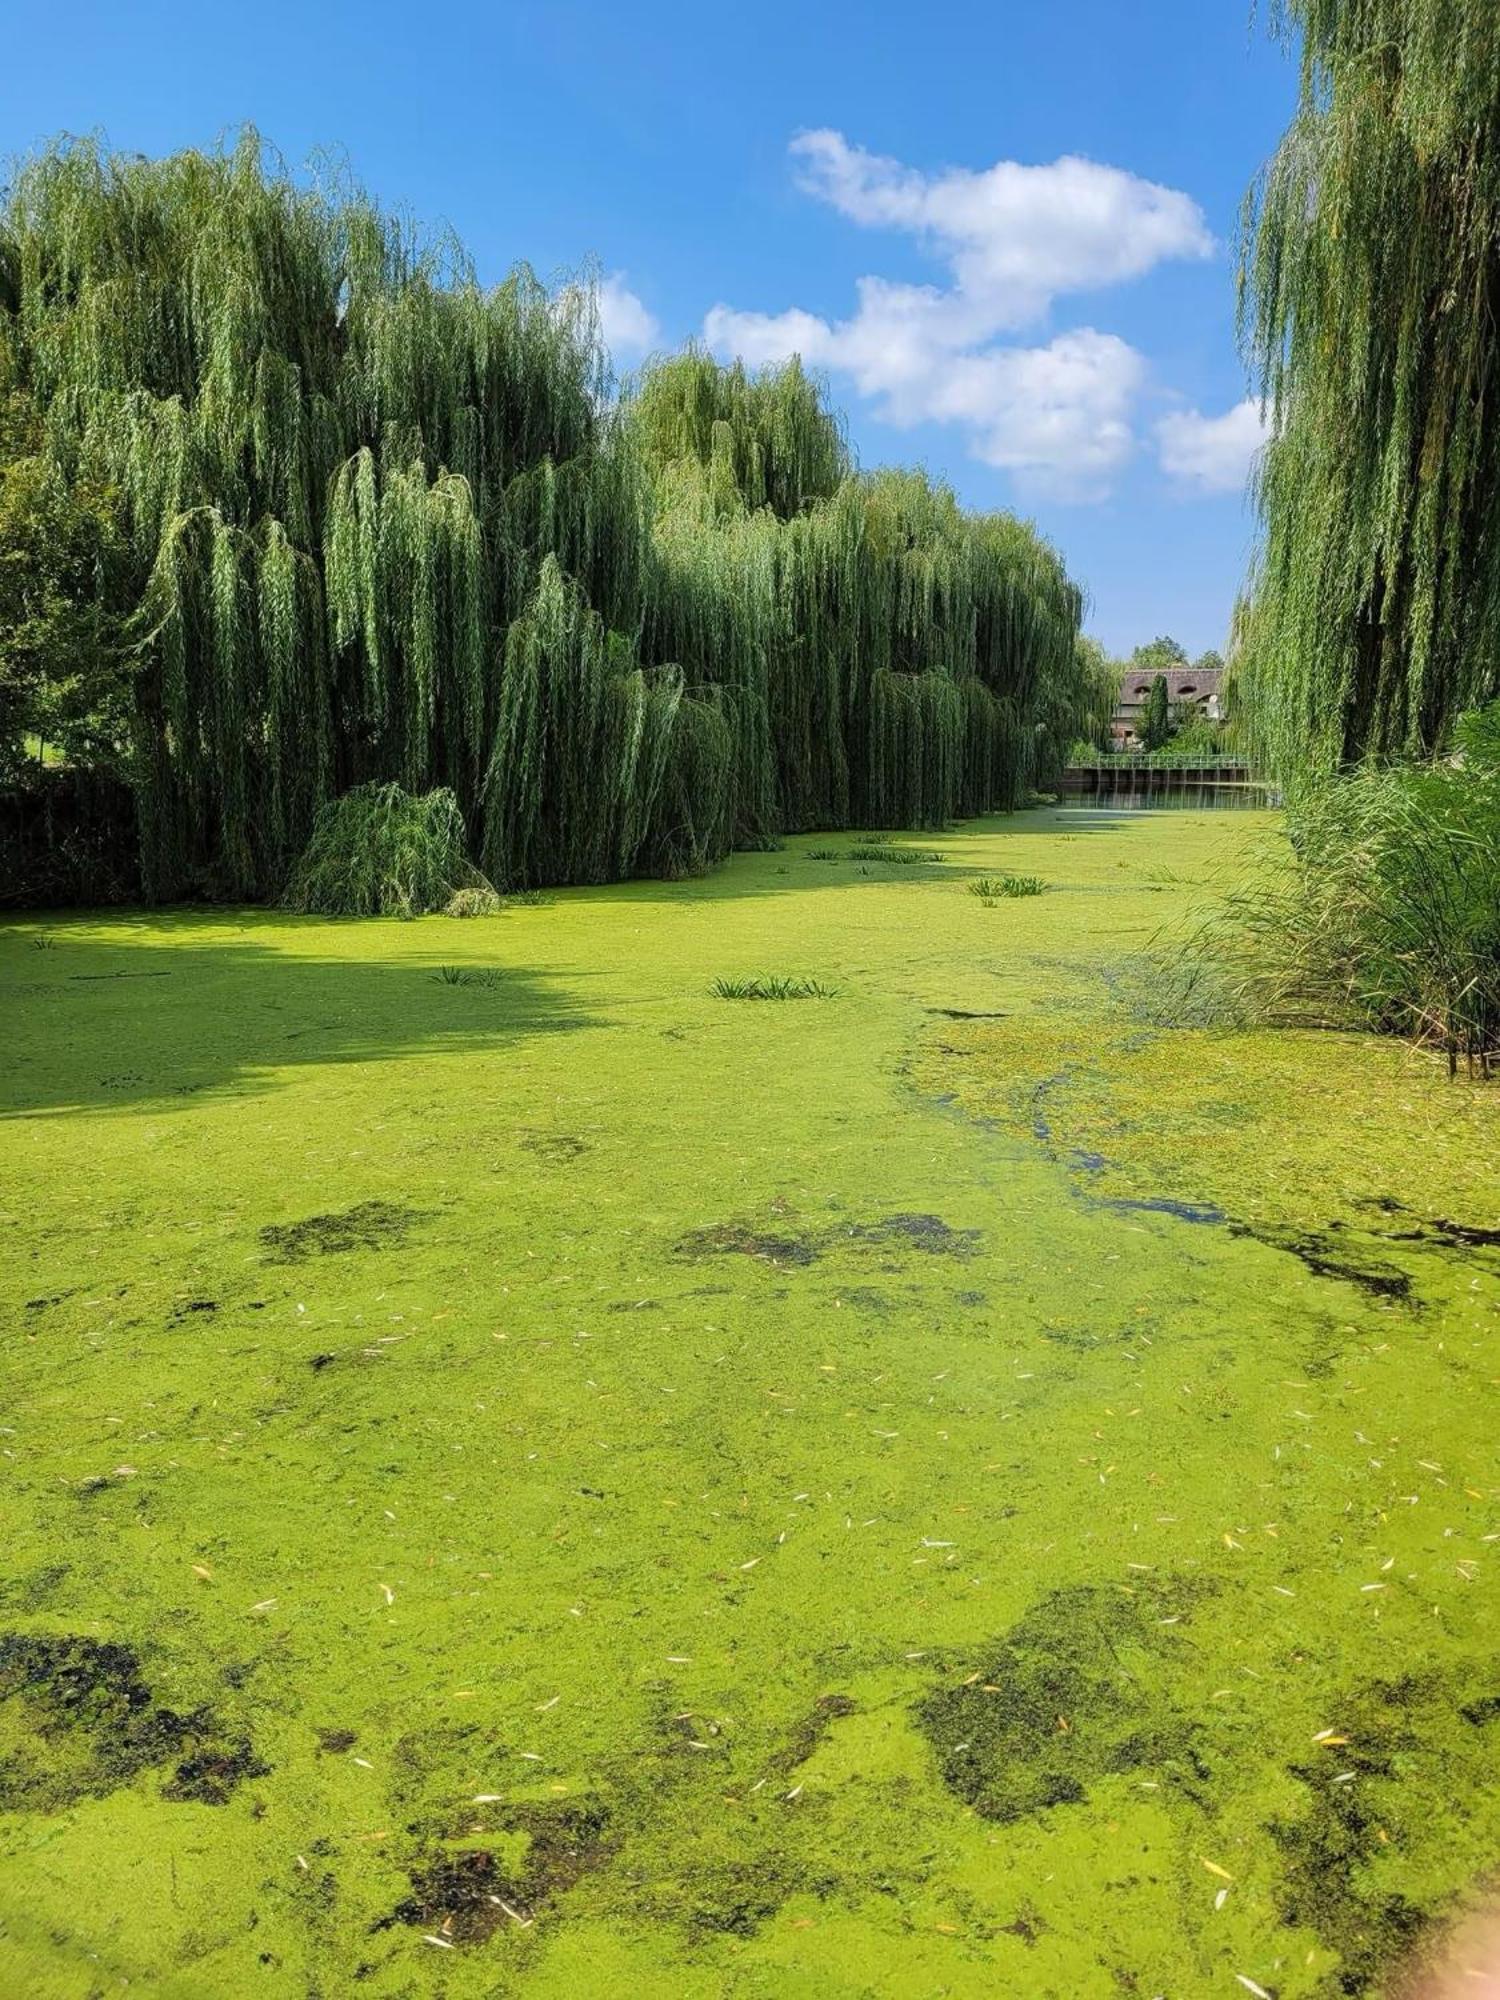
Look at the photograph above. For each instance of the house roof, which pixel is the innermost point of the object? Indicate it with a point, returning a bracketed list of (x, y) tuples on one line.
[(1183, 684)]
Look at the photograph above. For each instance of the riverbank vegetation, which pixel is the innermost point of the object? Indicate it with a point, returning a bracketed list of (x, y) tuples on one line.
[(316, 511), (1386, 912), (1372, 625), (379, 852), (1370, 279)]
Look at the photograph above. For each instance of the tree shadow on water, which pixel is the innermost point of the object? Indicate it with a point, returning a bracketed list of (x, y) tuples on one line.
[(172, 1006), (824, 861)]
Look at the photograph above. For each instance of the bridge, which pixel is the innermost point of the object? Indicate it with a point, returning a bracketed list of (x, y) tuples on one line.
[(1127, 775)]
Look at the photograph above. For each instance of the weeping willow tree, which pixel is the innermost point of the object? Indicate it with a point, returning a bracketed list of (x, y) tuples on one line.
[(1370, 302), (380, 525), (892, 658)]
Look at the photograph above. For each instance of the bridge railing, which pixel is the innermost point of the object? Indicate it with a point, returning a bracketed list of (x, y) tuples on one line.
[(1161, 760)]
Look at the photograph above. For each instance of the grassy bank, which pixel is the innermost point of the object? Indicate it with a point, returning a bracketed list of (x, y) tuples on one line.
[(526, 1475)]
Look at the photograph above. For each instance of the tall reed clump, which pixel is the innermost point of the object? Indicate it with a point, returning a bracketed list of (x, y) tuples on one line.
[(379, 525), (380, 852), (1387, 914)]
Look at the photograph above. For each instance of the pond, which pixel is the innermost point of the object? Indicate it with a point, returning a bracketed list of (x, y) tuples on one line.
[(981, 1479)]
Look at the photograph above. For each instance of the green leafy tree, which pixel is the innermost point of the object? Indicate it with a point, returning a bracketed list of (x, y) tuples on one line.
[(1156, 716), (1370, 296), (1194, 735), (379, 523), (63, 673), (1163, 652), (1102, 676)]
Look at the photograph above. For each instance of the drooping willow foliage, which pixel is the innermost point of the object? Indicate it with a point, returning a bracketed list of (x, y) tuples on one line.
[(1371, 306), (379, 852), (382, 526)]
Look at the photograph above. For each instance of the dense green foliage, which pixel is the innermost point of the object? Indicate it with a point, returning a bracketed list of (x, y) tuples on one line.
[(379, 852), (1162, 651), (1156, 716), (1387, 915), (62, 682), (1371, 291), (1193, 735), (371, 523)]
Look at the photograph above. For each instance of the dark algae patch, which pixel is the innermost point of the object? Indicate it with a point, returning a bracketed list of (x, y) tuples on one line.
[(918, 1232), (209, 1775), (741, 1898), (1180, 1211), (1342, 1852), (556, 1149), (536, 1853), (369, 1225), (742, 1239), (1075, 1692), (1335, 1253), (81, 1721), (929, 1234), (826, 1710)]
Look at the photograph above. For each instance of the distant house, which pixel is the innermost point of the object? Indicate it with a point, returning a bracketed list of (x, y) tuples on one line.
[(1187, 688)]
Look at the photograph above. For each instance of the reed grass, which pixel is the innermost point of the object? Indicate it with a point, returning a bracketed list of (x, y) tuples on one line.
[(1386, 915), (774, 987), (907, 857), (487, 976)]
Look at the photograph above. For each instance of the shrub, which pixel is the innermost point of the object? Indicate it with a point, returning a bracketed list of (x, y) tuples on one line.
[(1198, 738), (480, 901), (1387, 915), (381, 852)]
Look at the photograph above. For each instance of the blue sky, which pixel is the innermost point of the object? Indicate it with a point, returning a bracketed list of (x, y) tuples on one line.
[(1005, 232)]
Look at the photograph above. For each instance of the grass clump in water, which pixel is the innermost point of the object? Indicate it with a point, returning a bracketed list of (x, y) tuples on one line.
[(879, 850), (468, 975), (380, 851), (774, 987), (991, 888)]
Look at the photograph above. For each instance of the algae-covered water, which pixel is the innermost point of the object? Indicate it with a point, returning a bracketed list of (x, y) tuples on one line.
[(537, 1479)]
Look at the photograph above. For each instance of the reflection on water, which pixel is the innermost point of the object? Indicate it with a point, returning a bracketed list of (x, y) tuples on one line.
[(1160, 795)]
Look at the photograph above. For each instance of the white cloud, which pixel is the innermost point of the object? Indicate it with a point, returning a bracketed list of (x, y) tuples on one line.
[(1213, 454), (1014, 238), (1056, 416), (627, 327)]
